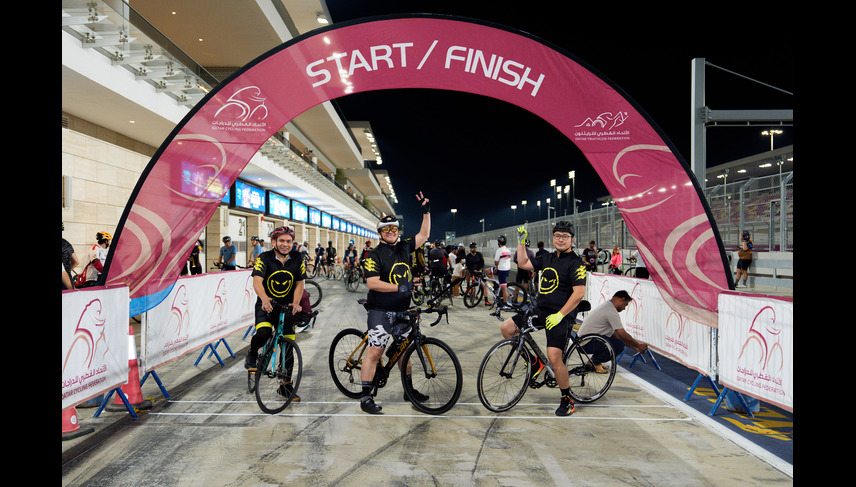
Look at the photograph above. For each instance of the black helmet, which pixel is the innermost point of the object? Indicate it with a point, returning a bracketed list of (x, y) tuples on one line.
[(284, 230), (473, 245), (563, 226), (227, 239), (501, 240)]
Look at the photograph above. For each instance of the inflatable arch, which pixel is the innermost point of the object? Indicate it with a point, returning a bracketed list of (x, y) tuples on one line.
[(184, 183)]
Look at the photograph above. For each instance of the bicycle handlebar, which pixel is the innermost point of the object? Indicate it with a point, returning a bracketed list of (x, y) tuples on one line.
[(415, 312)]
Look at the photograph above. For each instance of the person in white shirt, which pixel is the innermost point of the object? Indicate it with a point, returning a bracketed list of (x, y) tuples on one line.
[(641, 270), (502, 261), (605, 321)]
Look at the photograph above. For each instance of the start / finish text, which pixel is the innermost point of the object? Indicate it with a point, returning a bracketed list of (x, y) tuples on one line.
[(395, 56)]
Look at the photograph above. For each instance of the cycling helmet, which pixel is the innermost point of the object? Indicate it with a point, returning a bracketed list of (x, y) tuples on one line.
[(368, 242), (501, 240), (563, 226), (387, 221), (254, 237), (473, 245), (280, 231), (227, 239), (101, 236)]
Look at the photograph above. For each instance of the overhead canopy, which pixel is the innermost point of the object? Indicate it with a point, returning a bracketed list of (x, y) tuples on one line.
[(659, 199)]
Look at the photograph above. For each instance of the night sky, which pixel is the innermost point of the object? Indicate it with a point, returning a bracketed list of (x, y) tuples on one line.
[(481, 155)]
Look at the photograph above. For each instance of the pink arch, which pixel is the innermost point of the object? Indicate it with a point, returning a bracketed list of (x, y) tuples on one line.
[(658, 198)]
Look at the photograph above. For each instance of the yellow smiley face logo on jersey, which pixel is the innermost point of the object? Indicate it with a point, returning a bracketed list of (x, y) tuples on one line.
[(279, 283), (400, 273), (549, 281)]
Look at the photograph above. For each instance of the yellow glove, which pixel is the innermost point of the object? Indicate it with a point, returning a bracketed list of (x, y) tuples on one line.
[(554, 319), (522, 234)]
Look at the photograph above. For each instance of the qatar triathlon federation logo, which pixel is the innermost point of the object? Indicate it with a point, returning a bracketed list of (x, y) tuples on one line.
[(603, 127)]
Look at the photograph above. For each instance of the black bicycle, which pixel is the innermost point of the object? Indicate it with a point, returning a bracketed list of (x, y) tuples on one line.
[(506, 371), (279, 367), (436, 371), (353, 276)]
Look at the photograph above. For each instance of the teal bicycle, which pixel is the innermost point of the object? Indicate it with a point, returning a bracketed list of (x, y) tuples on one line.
[(279, 368)]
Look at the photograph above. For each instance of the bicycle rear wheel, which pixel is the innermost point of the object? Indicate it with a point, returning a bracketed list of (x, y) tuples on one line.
[(310, 270), (503, 376), (346, 361), (517, 294), (277, 381), (314, 290), (436, 373), (473, 295), (587, 383)]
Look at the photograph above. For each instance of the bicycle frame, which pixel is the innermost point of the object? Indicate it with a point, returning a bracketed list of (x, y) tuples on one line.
[(414, 338)]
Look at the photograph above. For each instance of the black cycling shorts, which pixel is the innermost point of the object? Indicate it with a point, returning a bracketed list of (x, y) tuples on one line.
[(383, 324), (557, 336)]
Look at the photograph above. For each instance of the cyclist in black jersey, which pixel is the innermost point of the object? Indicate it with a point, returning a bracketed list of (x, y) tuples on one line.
[(562, 286), (390, 282), (277, 274)]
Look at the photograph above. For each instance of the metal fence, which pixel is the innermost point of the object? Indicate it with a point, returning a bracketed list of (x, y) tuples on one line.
[(763, 206)]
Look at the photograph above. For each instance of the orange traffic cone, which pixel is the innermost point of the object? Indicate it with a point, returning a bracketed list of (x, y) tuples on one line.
[(132, 389), (71, 425)]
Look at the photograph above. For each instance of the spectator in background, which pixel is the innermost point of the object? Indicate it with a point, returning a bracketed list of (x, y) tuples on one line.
[(97, 258), (69, 258), (641, 270), (615, 261), (744, 259), (590, 257), (228, 253)]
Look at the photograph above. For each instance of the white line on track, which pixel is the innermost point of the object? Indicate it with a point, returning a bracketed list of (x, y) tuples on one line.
[(420, 415)]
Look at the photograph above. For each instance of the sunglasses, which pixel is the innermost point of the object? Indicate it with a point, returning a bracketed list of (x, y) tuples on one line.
[(389, 229)]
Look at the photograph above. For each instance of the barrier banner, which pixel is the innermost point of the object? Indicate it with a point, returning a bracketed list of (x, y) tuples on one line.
[(649, 319), (659, 198), (94, 342), (198, 310), (756, 343)]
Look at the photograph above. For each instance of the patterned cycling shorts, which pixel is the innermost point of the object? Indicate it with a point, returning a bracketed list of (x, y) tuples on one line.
[(383, 324)]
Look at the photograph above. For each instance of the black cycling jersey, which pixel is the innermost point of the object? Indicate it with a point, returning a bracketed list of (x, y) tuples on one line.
[(559, 274), (474, 262), (280, 279), (391, 263)]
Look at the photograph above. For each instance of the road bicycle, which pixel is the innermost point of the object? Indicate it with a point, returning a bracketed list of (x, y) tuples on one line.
[(279, 368), (479, 283), (436, 371), (506, 371), (353, 276)]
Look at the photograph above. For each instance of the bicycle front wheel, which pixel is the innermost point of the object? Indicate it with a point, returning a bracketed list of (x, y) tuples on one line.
[(418, 293), (591, 367), (277, 381), (352, 281), (503, 376), (346, 361), (314, 290), (310, 270), (436, 373)]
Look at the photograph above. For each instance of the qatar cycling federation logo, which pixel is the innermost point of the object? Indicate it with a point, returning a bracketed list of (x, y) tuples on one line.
[(244, 111)]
